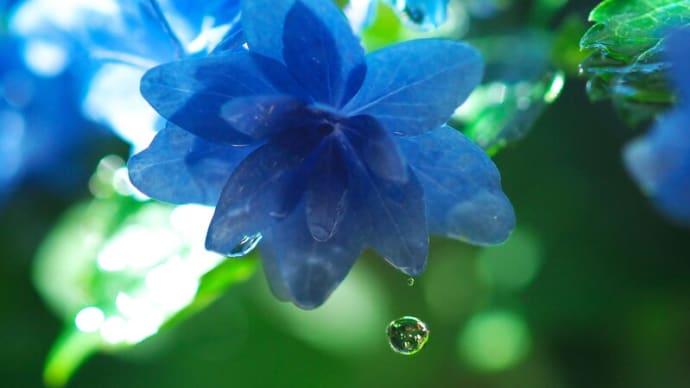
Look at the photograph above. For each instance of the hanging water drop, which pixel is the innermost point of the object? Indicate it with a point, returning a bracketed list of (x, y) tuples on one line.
[(246, 245), (410, 281), (407, 335)]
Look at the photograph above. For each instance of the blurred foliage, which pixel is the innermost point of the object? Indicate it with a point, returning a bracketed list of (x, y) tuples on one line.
[(627, 61), (118, 269)]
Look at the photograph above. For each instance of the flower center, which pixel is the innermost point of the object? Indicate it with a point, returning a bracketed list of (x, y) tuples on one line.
[(325, 129)]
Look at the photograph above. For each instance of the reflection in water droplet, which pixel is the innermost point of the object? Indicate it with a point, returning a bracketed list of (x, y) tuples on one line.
[(246, 245), (407, 335), (410, 281)]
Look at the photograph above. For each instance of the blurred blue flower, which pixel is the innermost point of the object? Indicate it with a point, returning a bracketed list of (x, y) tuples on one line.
[(322, 151), (424, 14), (39, 131), (660, 160), (112, 43)]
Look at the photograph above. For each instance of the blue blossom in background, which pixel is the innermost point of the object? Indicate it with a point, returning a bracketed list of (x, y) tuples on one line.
[(424, 14), (40, 128), (322, 151), (660, 160), (112, 43)]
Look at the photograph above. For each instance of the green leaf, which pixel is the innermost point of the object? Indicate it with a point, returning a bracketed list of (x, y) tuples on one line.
[(627, 61), (519, 83)]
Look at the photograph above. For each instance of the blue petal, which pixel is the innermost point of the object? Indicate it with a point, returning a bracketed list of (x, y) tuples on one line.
[(414, 87), (326, 194), (321, 51), (309, 270), (264, 188), (660, 163), (264, 23), (191, 93), (263, 116), (678, 46), (179, 167), (376, 148), (393, 214), (462, 189)]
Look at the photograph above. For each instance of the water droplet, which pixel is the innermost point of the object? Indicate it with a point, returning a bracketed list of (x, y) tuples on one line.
[(246, 245), (410, 281), (407, 335)]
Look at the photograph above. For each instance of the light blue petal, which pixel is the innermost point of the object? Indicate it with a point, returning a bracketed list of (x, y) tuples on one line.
[(326, 196), (191, 93), (263, 116), (414, 87), (309, 270), (660, 163), (262, 190), (462, 189), (179, 167), (263, 22), (393, 213), (321, 51)]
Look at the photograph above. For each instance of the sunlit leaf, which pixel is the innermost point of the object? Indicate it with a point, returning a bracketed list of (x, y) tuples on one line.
[(119, 269), (627, 60), (519, 83)]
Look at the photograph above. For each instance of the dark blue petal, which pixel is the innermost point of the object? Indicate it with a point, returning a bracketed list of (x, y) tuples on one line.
[(327, 192), (309, 270), (263, 116), (264, 188), (376, 148), (179, 167), (462, 188), (321, 51), (414, 87), (263, 22), (660, 163), (393, 214), (191, 93)]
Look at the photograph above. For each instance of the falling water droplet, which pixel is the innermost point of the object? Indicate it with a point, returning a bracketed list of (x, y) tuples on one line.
[(246, 245), (407, 335), (410, 281)]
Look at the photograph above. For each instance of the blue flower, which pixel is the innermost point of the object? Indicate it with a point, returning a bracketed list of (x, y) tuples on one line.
[(112, 43), (424, 14), (40, 127), (322, 151), (660, 160)]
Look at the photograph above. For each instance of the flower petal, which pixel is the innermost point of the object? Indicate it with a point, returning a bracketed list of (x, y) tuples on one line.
[(414, 87), (321, 51), (393, 213), (462, 188), (326, 194), (310, 270), (179, 167), (318, 30), (376, 148), (265, 187), (660, 163), (191, 93), (678, 46), (263, 116)]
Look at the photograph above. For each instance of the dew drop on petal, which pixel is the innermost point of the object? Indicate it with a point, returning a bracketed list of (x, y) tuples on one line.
[(246, 245), (407, 335), (410, 281)]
